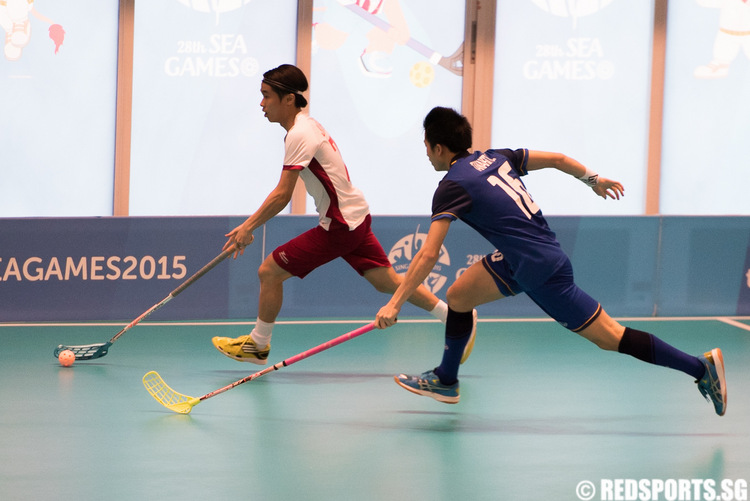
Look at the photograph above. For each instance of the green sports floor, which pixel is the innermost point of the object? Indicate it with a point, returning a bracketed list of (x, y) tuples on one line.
[(541, 412)]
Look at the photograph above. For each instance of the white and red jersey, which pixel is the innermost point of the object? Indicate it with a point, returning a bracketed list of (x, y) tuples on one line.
[(311, 150)]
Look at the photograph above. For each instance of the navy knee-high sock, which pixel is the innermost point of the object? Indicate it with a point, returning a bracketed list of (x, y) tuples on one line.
[(457, 332), (651, 349)]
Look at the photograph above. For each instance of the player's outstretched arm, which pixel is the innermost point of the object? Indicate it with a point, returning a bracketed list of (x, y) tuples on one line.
[(601, 185)]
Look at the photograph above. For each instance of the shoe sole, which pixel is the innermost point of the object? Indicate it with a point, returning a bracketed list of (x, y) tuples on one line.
[(470, 345), (718, 359), (436, 396)]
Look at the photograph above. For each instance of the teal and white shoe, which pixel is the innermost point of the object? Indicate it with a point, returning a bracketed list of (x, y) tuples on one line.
[(429, 385), (713, 385)]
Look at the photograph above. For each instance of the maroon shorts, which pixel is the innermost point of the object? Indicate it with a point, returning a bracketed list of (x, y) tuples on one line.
[(316, 247)]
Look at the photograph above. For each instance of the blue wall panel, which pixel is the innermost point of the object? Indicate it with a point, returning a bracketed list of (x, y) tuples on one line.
[(112, 268), (78, 269), (703, 266)]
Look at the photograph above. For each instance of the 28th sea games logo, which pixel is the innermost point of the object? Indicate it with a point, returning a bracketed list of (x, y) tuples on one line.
[(213, 55)]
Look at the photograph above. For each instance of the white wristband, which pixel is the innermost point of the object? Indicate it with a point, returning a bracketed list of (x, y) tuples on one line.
[(589, 178)]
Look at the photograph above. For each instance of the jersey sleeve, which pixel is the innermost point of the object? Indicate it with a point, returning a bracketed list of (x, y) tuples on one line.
[(518, 159), (299, 149), (450, 200)]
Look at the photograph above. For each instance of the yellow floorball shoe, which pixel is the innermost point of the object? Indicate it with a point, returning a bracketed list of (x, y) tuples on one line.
[(242, 348)]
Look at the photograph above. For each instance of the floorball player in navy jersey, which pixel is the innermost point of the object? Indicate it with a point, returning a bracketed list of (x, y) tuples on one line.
[(484, 189)]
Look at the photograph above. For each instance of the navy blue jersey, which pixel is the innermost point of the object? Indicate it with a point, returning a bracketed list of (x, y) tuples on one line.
[(484, 189)]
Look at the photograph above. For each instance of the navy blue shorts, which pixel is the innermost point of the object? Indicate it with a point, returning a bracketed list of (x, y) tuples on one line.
[(559, 296)]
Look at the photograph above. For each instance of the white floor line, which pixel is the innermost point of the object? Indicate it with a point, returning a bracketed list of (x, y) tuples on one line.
[(733, 322)]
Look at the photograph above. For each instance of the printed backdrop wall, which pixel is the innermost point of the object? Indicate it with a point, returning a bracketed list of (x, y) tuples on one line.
[(86, 269)]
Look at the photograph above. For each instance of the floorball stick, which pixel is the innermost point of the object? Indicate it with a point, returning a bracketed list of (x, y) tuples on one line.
[(183, 404), (453, 63), (97, 350)]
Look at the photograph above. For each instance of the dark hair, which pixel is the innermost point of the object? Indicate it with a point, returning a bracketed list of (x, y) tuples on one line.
[(447, 127), (287, 79)]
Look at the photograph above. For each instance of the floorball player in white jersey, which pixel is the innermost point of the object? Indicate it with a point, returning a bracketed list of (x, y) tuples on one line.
[(344, 218)]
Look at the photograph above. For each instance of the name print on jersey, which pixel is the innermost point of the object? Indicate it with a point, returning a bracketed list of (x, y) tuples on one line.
[(482, 162)]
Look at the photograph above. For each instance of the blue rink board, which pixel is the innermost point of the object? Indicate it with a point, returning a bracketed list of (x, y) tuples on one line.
[(83, 269)]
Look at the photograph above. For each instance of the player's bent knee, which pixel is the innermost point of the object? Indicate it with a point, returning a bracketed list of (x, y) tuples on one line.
[(458, 300), (605, 332), (269, 271), (603, 338), (264, 272)]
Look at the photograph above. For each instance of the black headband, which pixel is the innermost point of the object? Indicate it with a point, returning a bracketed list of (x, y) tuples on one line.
[(279, 85)]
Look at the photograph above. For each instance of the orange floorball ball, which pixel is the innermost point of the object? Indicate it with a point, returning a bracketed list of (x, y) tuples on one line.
[(66, 358)]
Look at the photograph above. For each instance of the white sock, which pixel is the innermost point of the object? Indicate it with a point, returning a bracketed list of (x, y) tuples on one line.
[(440, 311), (261, 334)]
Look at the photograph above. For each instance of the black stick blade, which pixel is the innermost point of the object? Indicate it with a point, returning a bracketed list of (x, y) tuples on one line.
[(85, 351)]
